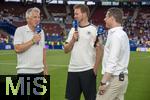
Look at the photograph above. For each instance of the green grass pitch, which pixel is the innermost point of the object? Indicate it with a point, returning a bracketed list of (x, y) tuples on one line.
[(139, 73)]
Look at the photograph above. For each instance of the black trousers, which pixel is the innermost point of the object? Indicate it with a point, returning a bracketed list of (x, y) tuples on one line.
[(78, 82)]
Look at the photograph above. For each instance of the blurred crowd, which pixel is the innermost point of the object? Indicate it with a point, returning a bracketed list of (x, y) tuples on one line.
[(137, 27)]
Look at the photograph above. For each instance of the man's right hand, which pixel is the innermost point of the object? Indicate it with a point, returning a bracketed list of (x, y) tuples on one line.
[(36, 38), (76, 36)]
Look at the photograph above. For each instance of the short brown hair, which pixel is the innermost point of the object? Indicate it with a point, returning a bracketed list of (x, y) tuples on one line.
[(117, 13), (83, 8)]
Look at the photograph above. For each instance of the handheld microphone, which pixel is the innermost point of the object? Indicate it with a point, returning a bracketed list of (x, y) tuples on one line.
[(38, 29), (75, 25), (100, 31)]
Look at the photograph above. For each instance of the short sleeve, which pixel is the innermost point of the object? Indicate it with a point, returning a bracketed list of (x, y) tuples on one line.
[(43, 39), (70, 35), (18, 37)]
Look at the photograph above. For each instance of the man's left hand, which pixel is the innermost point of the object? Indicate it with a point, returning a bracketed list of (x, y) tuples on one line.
[(95, 70), (45, 70), (102, 89)]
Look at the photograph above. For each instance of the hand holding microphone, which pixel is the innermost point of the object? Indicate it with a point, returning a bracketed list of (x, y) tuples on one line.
[(37, 36), (75, 26), (100, 31)]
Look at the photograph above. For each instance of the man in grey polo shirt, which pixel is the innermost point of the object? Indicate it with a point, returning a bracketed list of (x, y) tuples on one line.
[(30, 46)]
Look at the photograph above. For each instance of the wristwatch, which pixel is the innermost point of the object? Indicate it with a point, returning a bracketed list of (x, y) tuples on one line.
[(101, 83), (33, 41)]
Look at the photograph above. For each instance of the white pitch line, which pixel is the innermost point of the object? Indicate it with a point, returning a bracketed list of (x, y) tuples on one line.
[(50, 65), (57, 65), (7, 64), (146, 57), (7, 53), (54, 65)]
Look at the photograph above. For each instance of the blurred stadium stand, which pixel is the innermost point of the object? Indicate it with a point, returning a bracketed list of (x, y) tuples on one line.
[(57, 15)]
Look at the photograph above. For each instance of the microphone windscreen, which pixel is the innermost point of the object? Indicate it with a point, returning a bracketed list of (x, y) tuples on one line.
[(38, 28), (75, 25), (100, 30)]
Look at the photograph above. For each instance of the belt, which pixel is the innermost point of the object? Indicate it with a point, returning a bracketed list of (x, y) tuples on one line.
[(118, 75)]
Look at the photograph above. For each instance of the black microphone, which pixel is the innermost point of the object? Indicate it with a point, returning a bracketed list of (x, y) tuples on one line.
[(100, 32), (75, 25), (38, 29)]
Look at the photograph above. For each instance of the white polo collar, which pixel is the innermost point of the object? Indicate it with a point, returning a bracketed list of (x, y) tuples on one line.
[(112, 30)]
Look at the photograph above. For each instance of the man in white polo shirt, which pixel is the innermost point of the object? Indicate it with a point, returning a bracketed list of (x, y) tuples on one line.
[(85, 58), (115, 62), (30, 46)]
